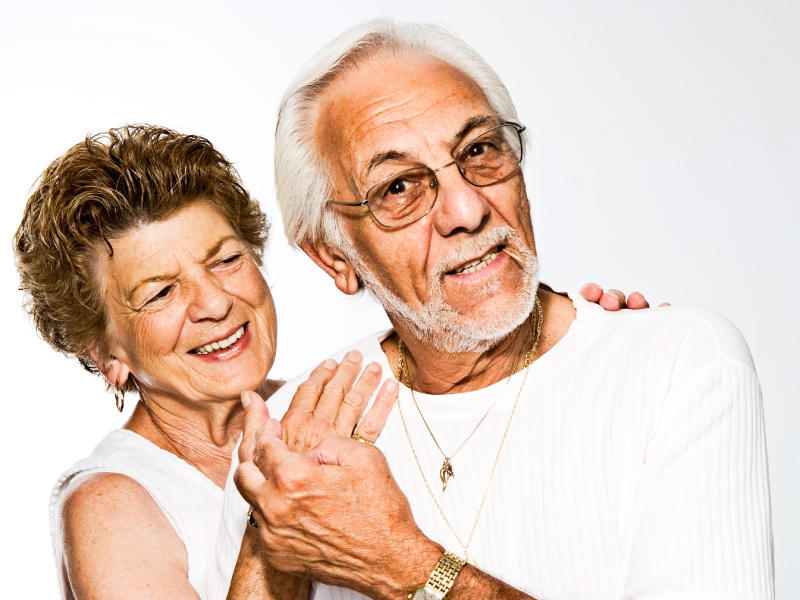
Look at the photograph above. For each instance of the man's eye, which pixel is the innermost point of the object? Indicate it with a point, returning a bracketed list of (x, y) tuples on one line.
[(398, 186), (476, 150)]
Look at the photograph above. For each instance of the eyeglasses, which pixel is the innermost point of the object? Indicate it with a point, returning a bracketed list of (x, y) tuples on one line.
[(409, 195)]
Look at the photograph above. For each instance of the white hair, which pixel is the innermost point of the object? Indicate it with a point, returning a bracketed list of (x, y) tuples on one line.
[(303, 181)]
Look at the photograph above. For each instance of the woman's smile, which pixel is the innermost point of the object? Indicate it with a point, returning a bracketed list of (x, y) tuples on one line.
[(225, 347)]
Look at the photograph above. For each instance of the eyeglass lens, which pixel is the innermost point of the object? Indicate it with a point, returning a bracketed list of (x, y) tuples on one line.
[(410, 195)]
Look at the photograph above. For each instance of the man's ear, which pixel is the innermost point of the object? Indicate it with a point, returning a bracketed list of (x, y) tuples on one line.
[(113, 369), (334, 264)]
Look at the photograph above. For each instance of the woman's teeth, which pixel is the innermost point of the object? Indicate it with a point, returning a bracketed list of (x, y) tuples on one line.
[(478, 263), (222, 344)]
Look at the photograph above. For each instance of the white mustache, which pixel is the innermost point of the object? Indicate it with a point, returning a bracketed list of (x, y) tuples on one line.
[(502, 235)]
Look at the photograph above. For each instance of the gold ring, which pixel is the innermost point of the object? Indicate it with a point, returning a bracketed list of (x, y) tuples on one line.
[(250, 520), (358, 438)]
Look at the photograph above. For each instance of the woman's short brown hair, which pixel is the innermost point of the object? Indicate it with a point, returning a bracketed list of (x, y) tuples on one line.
[(99, 190)]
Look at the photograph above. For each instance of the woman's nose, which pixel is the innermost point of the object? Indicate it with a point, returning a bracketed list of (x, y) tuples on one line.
[(460, 206), (209, 300)]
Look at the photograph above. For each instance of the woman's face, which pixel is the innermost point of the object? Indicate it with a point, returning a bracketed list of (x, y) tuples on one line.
[(189, 313)]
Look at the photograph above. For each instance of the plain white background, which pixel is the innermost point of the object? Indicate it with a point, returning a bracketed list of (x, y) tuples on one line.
[(665, 158)]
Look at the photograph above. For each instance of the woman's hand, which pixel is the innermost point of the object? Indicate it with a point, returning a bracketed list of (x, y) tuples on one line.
[(330, 402), (613, 300)]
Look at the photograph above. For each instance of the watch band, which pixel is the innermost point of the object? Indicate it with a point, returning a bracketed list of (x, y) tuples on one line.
[(441, 580)]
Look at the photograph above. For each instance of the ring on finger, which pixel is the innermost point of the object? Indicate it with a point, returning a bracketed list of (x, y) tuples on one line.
[(358, 438), (250, 520)]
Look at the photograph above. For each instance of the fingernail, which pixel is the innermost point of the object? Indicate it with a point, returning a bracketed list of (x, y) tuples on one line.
[(373, 367), (329, 364), (245, 399), (390, 385), (353, 356)]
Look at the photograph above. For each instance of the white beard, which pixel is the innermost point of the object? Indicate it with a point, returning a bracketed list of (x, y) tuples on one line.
[(441, 326)]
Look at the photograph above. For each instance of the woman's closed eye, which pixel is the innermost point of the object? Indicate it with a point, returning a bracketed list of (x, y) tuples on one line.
[(162, 293), (229, 261)]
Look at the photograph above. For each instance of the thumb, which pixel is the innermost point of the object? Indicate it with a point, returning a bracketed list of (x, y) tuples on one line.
[(256, 414)]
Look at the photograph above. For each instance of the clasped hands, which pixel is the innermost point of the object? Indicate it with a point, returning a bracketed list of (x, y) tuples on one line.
[(327, 507)]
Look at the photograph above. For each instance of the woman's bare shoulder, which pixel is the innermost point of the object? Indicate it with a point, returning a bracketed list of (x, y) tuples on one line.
[(116, 537)]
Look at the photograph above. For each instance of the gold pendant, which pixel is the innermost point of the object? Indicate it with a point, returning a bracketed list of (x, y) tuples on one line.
[(445, 473), (469, 560)]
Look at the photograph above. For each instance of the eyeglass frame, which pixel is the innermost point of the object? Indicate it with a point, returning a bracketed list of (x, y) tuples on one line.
[(365, 202)]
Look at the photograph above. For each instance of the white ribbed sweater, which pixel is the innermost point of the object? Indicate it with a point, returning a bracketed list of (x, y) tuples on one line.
[(635, 466)]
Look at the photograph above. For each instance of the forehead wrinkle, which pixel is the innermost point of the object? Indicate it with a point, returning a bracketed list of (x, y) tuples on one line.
[(361, 164), (340, 136)]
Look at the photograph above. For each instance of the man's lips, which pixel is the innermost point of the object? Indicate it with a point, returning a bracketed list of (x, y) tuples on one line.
[(478, 263), (221, 343)]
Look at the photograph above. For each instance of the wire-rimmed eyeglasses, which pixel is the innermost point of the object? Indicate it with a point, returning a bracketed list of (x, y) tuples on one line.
[(409, 195)]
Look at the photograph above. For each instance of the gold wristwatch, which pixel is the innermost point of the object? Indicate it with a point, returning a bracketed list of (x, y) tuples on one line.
[(441, 580)]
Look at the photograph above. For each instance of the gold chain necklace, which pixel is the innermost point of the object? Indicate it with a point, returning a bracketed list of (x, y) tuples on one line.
[(171, 443), (401, 372), (446, 472)]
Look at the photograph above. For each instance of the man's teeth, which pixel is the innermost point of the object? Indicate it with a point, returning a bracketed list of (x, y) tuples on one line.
[(478, 263), (222, 344)]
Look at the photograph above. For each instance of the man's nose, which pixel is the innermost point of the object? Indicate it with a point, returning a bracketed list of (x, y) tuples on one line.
[(209, 300), (460, 205)]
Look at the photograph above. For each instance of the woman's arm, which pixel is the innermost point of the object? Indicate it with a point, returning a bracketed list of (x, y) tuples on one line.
[(119, 544), (254, 578)]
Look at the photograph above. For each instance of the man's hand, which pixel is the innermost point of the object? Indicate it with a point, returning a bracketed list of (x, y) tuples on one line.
[(335, 514), (613, 300)]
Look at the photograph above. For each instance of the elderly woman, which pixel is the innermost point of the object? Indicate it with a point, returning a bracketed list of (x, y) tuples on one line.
[(140, 252)]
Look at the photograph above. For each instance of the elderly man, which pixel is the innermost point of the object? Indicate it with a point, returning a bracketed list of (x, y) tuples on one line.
[(540, 446)]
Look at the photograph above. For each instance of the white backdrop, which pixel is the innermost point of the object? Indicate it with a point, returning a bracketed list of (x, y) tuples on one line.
[(665, 158)]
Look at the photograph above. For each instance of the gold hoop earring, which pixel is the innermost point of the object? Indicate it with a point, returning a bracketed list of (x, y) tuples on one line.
[(119, 396)]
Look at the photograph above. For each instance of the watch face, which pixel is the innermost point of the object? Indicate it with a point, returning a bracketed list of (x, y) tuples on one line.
[(425, 593)]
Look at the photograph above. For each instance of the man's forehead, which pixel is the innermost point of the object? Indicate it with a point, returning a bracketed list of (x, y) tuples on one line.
[(393, 101)]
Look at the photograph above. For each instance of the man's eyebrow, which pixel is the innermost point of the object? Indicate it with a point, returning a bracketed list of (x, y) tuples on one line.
[(473, 124), (470, 125), (382, 157)]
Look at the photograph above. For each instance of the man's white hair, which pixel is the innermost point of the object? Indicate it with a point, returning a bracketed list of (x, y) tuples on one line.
[(302, 178)]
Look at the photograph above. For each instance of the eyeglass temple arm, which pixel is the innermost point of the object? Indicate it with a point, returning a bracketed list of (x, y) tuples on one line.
[(362, 203)]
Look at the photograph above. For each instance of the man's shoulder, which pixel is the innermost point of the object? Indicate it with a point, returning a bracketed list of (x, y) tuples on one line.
[(688, 330), (278, 403)]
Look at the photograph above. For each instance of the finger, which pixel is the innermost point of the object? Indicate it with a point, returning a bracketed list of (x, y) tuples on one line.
[(271, 452), (249, 480), (612, 300), (307, 395), (591, 292), (636, 301), (256, 414), (337, 450), (335, 390), (664, 304), (372, 423), (355, 401)]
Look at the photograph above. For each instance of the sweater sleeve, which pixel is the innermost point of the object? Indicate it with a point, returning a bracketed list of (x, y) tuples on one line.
[(700, 523)]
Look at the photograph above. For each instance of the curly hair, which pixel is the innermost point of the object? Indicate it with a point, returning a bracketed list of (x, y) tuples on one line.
[(100, 189)]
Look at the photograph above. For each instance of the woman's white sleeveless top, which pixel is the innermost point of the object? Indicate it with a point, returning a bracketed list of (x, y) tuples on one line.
[(191, 502)]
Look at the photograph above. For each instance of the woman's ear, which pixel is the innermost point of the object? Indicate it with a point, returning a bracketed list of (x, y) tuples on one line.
[(333, 262), (112, 368)]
